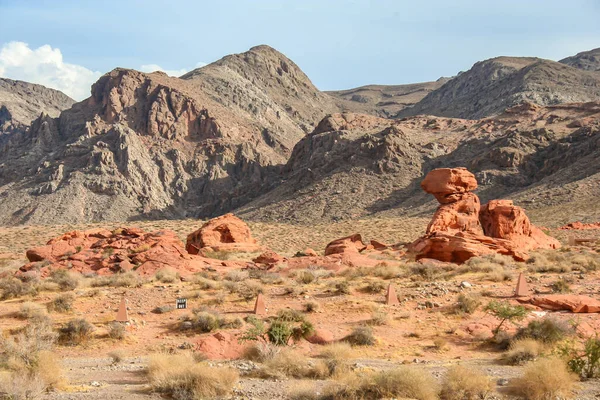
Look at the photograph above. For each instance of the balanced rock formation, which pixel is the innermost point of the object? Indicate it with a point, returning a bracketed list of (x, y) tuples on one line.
[(224, 233), (461, 228), (105, 252)]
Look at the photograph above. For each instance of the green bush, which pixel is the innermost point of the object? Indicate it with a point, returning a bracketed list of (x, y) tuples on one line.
[(586, 362), (361, 336), (504, 311), (546, 330)]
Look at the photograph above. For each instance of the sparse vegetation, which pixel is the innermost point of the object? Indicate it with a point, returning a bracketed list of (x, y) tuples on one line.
[(545, 379), (62, 303), (361, 336), (117, 331), (547, 330), (12, 287), (128, 279), (467, 304), (311, 307), (117, 356), (504, 311), (181, 377), (75, 332), (584, 362), (522, 351), (65, 279), (167, 275), (461, 383)]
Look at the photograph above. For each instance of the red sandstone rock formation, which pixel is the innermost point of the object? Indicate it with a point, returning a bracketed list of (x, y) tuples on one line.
[(569, 302), (580, 226), (224, 233), (348, 244), (103, 252), (461, 228)]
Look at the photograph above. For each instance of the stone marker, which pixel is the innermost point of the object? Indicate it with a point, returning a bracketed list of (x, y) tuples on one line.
[(122, 315), (522, 288), (391, 299), (259, 306)]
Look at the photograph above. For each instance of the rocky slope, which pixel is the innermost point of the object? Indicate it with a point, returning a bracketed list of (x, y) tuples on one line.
[(491, 86), (587, 60), (22, 102), (147, 145), (357, 165), (384, 101)]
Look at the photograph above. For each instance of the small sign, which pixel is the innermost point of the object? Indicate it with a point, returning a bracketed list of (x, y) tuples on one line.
[(181, 304)]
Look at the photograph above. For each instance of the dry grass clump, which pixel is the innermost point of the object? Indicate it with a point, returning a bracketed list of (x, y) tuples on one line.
[(311, 306), (374, 287), (488, 263), (236, 275), (523, 350), (337, 357), (247, 290), (304, 391), (546, 330), (545, 379), (62, 303), (461, 383), (167, 275), (466, 304), (560, 286), (289, 363), (125, 279), (208, 321), (64, 279), (403, 382), (75, 332), (565, 261), (12, 287), (182, 378), (29, 310), (379, 317), (205, 283), (117, 331), (117, 356), (361, 336)]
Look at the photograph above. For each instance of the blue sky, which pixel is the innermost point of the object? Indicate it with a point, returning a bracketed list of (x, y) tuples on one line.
[(339, 44)]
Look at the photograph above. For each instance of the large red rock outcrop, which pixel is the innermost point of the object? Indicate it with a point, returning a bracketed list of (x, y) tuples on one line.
[(104, 252), (461, 228), (224, 233), (348, 244)]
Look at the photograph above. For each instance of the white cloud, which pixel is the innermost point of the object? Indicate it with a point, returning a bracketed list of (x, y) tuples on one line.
[(45, 66), (170, 72)]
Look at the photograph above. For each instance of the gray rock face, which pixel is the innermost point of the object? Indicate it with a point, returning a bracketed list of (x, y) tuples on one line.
[(22, 102), (586, 60), (491, 86)]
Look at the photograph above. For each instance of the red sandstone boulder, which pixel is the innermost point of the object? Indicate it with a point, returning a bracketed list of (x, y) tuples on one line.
[(459, 216), (321, 336), (348, 244), (448, 184), (224, 233), (580, 226), (220, 346), (569, 302), (269, 257)]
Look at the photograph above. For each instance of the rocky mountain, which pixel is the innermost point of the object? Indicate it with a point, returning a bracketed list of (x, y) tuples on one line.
[(384, 101), (357, 165), (22, 102), (587, 60), (491, 86), (147, 145)]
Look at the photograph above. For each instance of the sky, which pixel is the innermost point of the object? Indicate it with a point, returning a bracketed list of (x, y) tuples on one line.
[(339, 44)]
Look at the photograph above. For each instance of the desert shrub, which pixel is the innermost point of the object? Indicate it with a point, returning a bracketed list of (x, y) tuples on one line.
[(267, 278), (402, 382), (123, 279), (290, 363), (560, 286), (30, 310), (206, 284), (379, 317), (374, 287), (290, 315), (342, 287), (549, 261), (261, 351), (500, 275), (25, 346), (181, 378), (337, 357), (523, 350), (546, 330), (12, 288), (237, 275), (62, 303), (280, 332), (117, 356), (504, 311), (361, 336), (75, 332), (545, 379), (311, 306), (440, 344), (117, 330), (387, 272), (163, 309), (466, 304), (64, 279), (305, 276), (426, 272), (205, 321), (584, 362), (18, 386), (166, 275), (304, 391), (488, 263), (461, 383), (249, 290)]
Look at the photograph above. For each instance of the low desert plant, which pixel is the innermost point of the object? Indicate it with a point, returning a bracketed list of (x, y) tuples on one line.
[(337, 357), (466, 304), (167, 275), (117, 331), (181, 377), (361, 336), (305, 276), (374, 287), (75, 332), (167, 308), (117, 356), (545, 379), (584, 362), (523, 350), (379, 317), (440, 344), (547, 330), (30, 310), (123, 279), (311, 306), (461, 383), (64, 279), (236, 275), (560, 286), (12, 288), (504, 311), (261, 351), (342, 287), (62, 303)]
